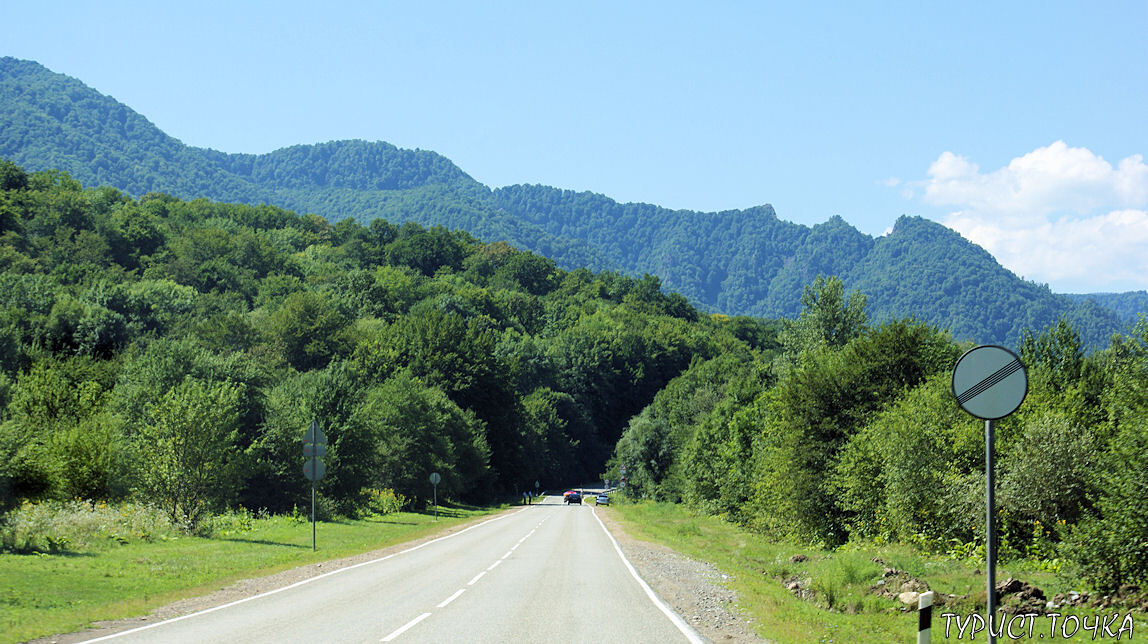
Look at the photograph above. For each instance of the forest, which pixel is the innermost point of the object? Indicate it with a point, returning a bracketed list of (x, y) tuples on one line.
[(737, 262), (174, 352), (850, 434)]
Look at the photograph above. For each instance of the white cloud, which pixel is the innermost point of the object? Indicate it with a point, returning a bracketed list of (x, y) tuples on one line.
[(1059, 215)]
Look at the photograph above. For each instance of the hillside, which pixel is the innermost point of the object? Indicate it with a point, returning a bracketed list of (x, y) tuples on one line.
[(737, 262)]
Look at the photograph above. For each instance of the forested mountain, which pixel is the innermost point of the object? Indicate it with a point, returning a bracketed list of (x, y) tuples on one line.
[(736, 262), (1127, 306), (135, 333)]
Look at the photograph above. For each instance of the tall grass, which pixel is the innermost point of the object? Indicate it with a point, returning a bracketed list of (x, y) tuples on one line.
[(57, 526)]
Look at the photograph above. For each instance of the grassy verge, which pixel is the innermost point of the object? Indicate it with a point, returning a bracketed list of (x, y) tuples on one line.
[(122, 575), (841, 606)]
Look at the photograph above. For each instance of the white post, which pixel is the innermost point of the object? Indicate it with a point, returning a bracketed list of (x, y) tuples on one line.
[(924, 617)]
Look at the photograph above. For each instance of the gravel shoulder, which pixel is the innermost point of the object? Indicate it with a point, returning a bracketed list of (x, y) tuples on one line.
[(693, 588)]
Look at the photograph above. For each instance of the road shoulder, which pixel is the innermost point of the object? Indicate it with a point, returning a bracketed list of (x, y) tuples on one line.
[(695, 589)]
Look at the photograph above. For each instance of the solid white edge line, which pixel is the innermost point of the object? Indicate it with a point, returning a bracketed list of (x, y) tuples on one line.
[(451, 598), (691, 634), (476, 578), (405, 627), (296, 584)]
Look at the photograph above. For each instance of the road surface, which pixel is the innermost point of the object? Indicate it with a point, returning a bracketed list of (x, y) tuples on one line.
[(545, 573)]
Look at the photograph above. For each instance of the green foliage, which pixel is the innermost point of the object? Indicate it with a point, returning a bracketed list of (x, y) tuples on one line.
[(417, 430), (385, 501), (1047, 476), (1109, 548), (56, 526), (828, 319), (310, 328), (188, 461), (414, 348)]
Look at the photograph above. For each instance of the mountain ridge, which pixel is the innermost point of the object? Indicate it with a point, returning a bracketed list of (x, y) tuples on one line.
[(746, 261)]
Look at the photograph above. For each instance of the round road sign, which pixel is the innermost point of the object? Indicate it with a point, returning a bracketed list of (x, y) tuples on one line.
[(989, 382), (435, 478)]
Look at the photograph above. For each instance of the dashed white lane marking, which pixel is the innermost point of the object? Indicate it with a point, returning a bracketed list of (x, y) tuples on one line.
[(451, 598), (494, 565), (299, 583), (508, 553), (405, 627), (476, 578)]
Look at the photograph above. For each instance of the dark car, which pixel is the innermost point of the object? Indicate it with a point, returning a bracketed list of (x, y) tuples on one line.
[(573, 497)]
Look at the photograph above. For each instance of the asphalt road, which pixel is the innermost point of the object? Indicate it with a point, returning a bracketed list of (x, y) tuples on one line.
[(545, 573)]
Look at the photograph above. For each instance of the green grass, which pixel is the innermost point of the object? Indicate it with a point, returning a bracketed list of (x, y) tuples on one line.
[(841, 609), (43, 593)]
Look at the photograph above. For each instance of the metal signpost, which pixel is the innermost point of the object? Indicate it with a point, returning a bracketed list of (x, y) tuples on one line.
[(990, 383), (434, 479), (314, 447)]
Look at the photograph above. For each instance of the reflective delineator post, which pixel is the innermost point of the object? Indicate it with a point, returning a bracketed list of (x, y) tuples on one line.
[(924, 617)]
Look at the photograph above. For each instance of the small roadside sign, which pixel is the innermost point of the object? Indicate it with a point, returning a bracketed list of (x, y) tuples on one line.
[(314, 446), (434, 480)]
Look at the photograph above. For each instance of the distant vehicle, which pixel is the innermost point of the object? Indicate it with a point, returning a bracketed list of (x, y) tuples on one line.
[(566, 494), (573, 497), (602, 499)]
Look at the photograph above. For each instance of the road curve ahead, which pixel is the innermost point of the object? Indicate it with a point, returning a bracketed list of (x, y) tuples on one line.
[(545, 573)]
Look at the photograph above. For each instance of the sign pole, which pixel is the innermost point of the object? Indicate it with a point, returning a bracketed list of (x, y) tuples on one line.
[(434, 480), (990, 527), (314, 446), (990, 382)]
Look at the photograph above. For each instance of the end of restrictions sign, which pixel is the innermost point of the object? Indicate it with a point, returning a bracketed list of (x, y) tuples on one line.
[(989, 382)]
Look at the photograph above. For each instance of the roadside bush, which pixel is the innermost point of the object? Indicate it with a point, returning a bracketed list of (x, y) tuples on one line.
[(385, 501), (59, 526), (1110, 549), (1045, 478)]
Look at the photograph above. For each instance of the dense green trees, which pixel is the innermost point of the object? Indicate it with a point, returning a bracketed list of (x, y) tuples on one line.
[(838, 435), (176, 350)]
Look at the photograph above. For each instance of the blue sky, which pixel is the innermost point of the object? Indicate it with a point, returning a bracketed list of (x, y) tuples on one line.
[(1020, 124)]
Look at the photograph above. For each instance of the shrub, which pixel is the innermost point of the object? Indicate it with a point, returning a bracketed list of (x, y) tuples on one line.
[(55, 526), (385, 501)]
